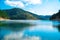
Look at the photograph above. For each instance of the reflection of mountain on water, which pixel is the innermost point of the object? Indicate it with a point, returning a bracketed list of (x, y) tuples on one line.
[(42, 29), (14, 25), (58, 27), (56, 24)]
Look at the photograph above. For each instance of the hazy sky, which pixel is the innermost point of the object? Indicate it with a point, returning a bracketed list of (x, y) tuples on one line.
[(40, 7)]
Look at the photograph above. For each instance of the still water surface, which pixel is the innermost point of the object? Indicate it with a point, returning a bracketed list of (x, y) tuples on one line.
[(30, 30)]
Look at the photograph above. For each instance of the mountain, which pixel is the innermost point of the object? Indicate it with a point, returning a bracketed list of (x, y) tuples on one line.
[(46, 17), (20, 14), (17, 14), (56, 16), (3, 15)]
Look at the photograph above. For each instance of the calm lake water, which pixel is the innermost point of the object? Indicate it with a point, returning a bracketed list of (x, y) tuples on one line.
[(29, 30)]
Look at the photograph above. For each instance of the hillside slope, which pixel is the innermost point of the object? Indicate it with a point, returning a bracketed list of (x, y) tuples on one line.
[(55, 16), (18, 14)]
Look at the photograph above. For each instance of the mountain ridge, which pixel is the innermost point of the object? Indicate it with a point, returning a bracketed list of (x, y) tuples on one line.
[(56, 16), (19, 14)]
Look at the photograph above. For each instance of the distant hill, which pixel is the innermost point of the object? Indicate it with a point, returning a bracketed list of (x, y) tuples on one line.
[(17, 14), (3, 15), (20, 14), (46, 17), (56, 16)]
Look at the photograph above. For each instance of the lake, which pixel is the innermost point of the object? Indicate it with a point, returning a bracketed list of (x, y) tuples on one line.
[(29, 30)]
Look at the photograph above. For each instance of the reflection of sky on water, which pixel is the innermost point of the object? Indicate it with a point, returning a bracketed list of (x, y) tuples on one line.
[(43, 26), (42, 30)]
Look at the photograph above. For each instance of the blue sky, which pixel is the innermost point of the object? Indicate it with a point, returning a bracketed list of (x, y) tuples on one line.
[(39, 7)]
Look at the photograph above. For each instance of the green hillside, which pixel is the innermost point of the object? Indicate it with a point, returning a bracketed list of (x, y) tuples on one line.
[(56, 16), (18, 14), (3, 14)]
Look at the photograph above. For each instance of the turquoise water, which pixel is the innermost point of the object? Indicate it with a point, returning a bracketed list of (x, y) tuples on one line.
[(32, 30)]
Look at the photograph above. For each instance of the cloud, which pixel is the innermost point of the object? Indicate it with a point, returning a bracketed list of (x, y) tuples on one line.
[(32, 2), (22, 3), (18, 4)]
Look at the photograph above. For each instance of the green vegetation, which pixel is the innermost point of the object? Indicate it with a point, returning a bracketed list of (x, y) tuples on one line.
[(56, 16), (18, 14), (3, 14)]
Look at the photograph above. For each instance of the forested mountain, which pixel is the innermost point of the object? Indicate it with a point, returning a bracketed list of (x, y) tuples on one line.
[(56, 16), (18, 14)]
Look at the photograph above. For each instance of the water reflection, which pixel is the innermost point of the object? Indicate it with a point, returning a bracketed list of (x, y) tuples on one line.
[(56, 24), (29, 30), (13, 25), (58, 27)]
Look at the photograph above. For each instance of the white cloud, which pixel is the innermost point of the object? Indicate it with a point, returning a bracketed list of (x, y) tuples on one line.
[(15, 3), (33, 2), (22, 3)]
